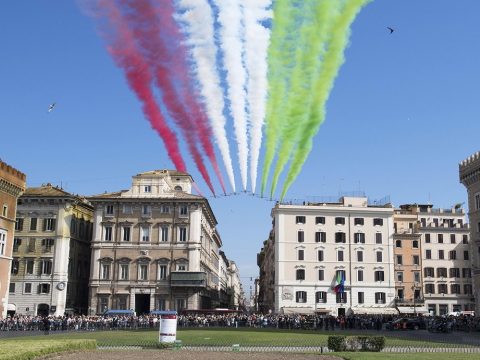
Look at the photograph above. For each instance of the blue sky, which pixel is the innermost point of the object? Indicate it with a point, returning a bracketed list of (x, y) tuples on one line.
[(403, 113)]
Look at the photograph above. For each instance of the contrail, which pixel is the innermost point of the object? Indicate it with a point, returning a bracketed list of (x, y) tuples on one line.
[(287, 16), (311, 42), (334, 58), (230, 20), (198, 23), (126, 56), (257, 38), (159, 46)]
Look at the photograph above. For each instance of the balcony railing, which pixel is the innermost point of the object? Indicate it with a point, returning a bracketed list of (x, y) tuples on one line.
[(410, 301), (188, 279)]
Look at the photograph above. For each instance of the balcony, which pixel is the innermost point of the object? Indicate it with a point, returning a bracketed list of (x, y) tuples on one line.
[(188, 279), (409, 302)]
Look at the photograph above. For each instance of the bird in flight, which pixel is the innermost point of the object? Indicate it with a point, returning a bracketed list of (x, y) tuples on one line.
[(51, 107), (391, 30)]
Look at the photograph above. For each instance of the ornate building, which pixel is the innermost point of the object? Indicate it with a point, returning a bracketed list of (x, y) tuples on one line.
[(12, 184), (155, 246), (51, 252)]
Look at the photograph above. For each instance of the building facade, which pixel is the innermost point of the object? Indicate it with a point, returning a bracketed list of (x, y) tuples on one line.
[(12, 184), (155, 246), (315, 245), (469, 170), (51, 252)]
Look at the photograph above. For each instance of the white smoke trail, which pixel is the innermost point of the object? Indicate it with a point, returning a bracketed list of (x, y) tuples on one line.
[(257, 38), (230, 16), (198, 21)]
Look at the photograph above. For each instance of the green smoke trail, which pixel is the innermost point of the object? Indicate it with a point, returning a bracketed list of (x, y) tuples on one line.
[(333, 59), (286, 15), (311, 46)]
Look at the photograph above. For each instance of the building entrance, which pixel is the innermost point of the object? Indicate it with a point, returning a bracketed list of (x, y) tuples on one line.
[(43, 309), (341, 311), (142, 303)]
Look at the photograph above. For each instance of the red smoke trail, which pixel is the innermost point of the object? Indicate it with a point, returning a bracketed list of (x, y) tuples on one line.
[(138, 75), (159, 39)]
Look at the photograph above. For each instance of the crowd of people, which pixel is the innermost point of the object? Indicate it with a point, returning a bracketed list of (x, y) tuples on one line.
[(307, 322)]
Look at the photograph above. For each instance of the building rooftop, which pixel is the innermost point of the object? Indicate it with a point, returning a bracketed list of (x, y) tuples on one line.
[(46, 190), (122, 194)]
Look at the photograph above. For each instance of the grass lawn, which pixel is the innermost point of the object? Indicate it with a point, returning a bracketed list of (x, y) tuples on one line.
[(30, 347), (227, 337)]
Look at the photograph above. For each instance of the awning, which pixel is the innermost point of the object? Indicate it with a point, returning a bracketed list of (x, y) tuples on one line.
[(412, 310), (374, 310), (11, 307), (297, 310)]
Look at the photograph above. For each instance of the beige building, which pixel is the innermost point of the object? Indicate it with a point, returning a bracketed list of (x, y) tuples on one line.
[(12, 184), (51, 252), (470, 177), (155, 246), (315, 243), (408, 261)]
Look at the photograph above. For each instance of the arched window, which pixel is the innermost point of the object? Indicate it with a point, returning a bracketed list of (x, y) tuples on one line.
[(178, 188)]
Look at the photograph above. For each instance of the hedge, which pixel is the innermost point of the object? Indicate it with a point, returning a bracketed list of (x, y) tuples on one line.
[(356, 343)]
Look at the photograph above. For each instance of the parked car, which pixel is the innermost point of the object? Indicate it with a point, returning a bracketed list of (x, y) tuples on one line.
[(406, 324)]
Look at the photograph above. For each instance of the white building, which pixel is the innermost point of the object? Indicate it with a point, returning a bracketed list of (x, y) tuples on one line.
[(314, 242)]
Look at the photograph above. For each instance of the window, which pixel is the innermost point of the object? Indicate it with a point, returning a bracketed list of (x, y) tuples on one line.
[(466, 273), (427, 238), (44, 288), (441, 272), (400, 276), (428, 254), (429, 288), (181, 267), (164, 230), (49, 224), (477, 201), (361, 297), (109, 209), (440, 238), (416, 276), (146, 210), (124, 271), (442, 289), (300, 236), (465, 239), (28, 288), (380, 298), (321, 297), (105, 272), (359, 238), (378, 238), (399, 260), (320, 255), (441, 255), (126, 233), (416, 260), (454, 272), (341, 298), (320, 220), (165, 209), (15, 267), (321, 275), (429, 272), (161, 304), (340, 273), (301, 255), (33, 224), (340, 237), (339, 221), (465, 255), (145, 236), (5, 210), (377, 222), (16, 243), (379, 256), (103, 300), (360, 256), (360, 275), (45, 267), (183, 210), (467, 289), (3, 241), (320, 236), (178, 188), (340, 255), (143, 272), (454, 289), (452, 255), (415, 244), (300, 220), (162, 272), (122, 302), (379, 275), (29, 267), (108, 233), (147, 188), (127, 208), (358, 221), (183, 234), (398, 243), (300, 274), (19, 224), (11, 288), (452, 239), (301, 296)]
